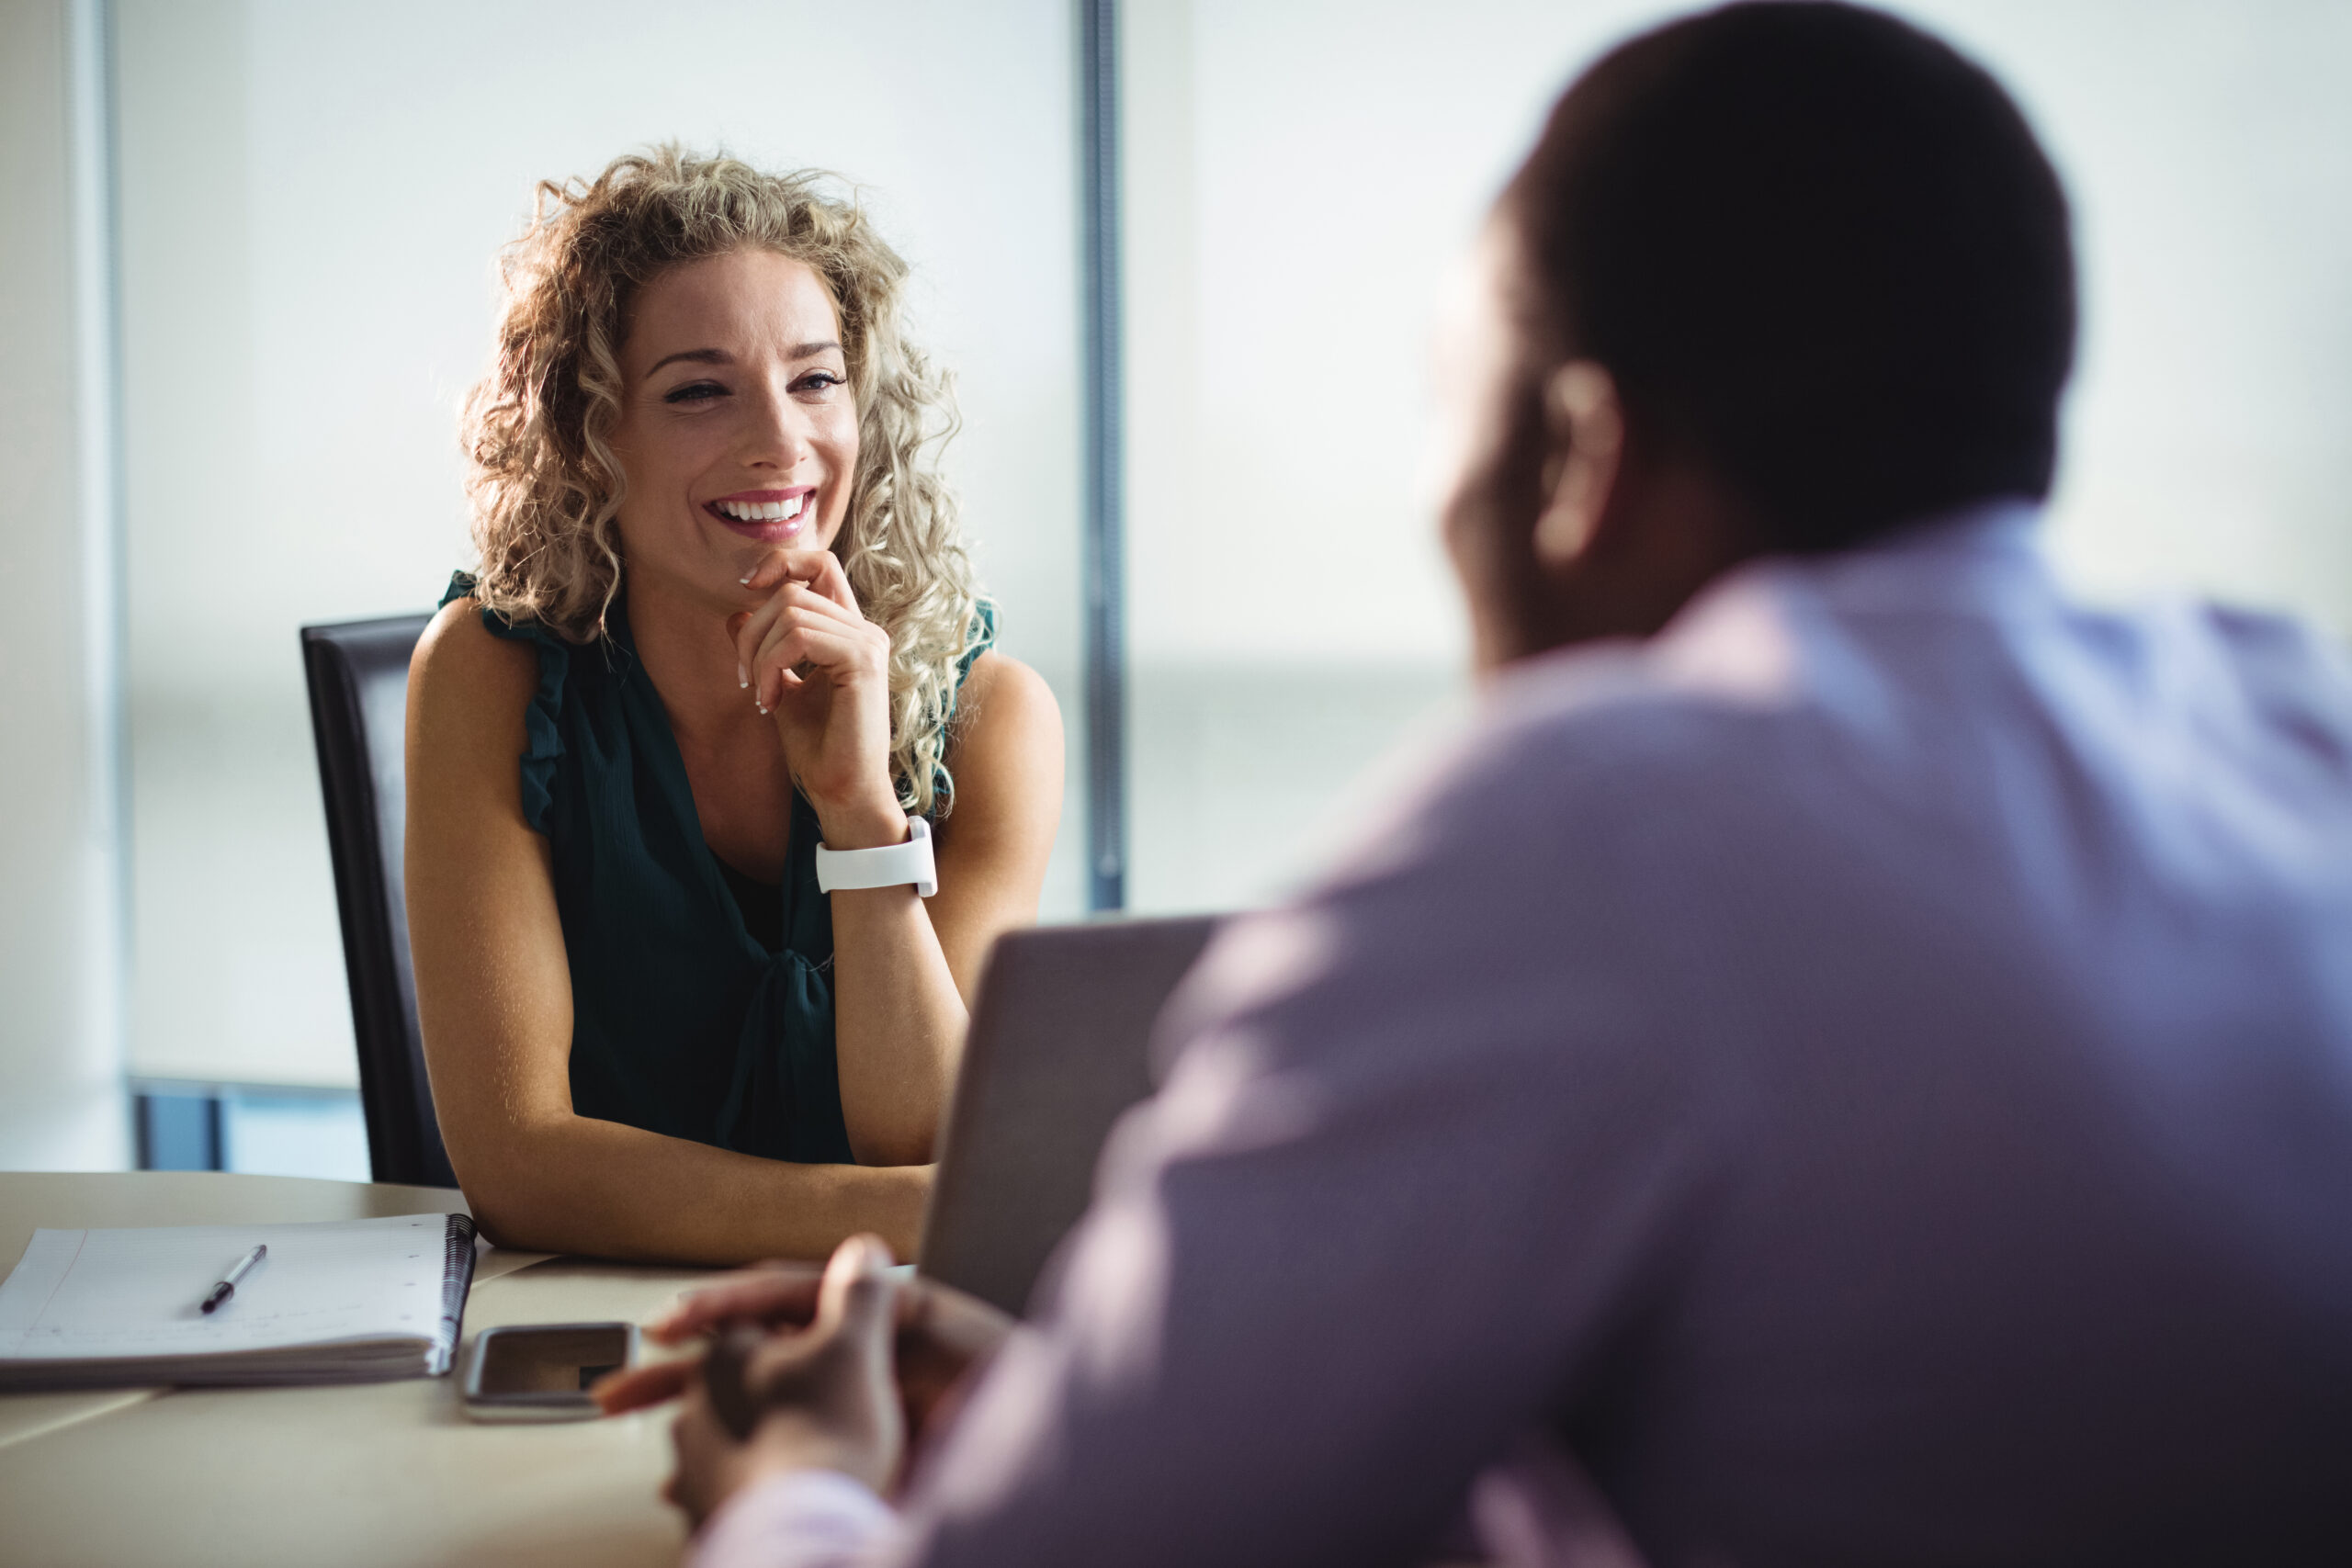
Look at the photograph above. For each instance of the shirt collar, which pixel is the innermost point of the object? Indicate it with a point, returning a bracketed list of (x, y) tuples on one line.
[(1978, 557)]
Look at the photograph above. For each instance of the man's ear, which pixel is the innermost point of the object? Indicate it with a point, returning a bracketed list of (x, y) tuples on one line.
[(1585, 422)]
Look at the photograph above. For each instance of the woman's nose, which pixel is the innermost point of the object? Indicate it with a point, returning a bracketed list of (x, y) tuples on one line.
[(776, 433)]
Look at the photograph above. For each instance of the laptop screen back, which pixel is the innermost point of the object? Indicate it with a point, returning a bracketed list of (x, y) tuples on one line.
[(1056, 1054)]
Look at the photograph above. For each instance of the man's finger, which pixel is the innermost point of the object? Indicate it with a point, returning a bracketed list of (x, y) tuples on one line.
[(638, 1387), (772, 1293), (857, 1294)]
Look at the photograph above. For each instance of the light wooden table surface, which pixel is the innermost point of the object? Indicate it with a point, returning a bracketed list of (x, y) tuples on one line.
[(351, 1475)]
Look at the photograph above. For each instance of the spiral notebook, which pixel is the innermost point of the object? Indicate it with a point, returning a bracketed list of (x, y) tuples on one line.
[(347, 1301)]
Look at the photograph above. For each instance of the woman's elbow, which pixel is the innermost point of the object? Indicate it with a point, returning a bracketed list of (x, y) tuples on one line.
[(496, 1228), (512, 1190), (908, 1144)]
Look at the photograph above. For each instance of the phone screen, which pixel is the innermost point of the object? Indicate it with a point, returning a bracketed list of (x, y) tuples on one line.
[(562, 1359)]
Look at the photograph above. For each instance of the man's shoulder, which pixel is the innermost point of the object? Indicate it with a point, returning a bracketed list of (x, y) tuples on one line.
[(1612, 724), (1790, 678), (1585, 769)]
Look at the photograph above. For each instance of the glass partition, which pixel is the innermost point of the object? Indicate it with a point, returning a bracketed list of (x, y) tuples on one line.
[(1299, 178), (311, 196)]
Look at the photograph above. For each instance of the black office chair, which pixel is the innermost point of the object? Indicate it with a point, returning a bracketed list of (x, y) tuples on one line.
[(358, 676)]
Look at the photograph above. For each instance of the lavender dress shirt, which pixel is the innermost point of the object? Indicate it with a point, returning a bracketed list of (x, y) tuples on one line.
[(1868, 1072)]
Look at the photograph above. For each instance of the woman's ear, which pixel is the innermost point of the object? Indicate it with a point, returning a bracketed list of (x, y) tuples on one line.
[(1585, 422)]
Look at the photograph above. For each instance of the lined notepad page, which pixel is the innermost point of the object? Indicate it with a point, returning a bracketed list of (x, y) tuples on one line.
[(138, 1292)]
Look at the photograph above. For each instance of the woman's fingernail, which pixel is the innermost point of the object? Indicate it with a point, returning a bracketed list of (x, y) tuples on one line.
[(746, 579), (742, 677)]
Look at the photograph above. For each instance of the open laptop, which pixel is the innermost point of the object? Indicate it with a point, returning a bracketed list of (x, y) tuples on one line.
[(1055, 1052)]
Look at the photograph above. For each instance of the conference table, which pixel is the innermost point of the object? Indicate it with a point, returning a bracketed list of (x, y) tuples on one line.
[(352, 1474)]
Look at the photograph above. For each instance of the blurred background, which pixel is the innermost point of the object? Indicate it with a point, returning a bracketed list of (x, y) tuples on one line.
[(248, 273)]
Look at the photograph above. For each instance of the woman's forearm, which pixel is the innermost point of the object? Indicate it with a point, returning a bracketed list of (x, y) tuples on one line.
[(905, 967), (898, 1019), (898, 1024), (573, 1184)]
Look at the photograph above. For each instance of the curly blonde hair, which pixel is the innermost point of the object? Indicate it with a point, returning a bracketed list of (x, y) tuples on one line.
[(546, 485)]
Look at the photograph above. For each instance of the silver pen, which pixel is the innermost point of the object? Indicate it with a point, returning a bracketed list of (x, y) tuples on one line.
[(228, 1285)]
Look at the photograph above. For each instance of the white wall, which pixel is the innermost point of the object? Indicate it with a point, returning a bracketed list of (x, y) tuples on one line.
[(1300, 175), (61, 1090), (314, 194)]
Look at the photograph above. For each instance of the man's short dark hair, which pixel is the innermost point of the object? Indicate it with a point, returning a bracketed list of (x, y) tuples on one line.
[(1820, 252)]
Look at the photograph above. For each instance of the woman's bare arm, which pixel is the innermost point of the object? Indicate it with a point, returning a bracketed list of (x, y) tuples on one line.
[(904, 967), (494, 999)]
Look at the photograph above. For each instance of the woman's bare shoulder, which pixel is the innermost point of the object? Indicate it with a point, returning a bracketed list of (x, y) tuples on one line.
[(1005, 699), (464, 678), (1008, 732)]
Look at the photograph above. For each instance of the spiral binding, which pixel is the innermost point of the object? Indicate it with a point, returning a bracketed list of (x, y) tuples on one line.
[(456, 1279)]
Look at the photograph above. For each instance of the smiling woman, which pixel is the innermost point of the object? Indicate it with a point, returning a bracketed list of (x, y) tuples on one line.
[(724, 620)]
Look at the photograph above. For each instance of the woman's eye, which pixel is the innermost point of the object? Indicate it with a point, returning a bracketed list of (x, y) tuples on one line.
[(817, 381), (695, 392)]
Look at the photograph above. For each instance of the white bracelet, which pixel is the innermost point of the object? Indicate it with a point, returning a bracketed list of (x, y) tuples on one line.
[(889, 867)]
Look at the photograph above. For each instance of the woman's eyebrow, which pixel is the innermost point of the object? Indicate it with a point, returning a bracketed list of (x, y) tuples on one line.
[(697, 356), (720, 356)]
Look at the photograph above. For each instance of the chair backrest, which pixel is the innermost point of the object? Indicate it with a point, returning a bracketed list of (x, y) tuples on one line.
[(358, 678), (1057, 1052)]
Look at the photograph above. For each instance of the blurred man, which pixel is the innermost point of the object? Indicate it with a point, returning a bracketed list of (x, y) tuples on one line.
[(1850, 1046)]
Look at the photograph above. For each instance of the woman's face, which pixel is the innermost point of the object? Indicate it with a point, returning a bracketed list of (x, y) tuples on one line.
[(738, 433)]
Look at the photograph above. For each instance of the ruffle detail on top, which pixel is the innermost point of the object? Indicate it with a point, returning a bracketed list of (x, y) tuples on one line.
[(543, 742), (784, 1101), (943, 786)]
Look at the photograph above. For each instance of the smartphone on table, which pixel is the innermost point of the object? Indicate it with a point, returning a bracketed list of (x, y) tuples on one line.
[(542, 1371)]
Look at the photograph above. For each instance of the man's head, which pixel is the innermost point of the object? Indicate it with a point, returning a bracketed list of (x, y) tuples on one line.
[(1781, 277)]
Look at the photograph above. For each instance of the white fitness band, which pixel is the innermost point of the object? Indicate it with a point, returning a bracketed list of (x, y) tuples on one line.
[(848, 870)]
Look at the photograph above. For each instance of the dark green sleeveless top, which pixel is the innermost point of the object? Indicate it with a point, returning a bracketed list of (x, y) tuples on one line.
[(684, 1022)]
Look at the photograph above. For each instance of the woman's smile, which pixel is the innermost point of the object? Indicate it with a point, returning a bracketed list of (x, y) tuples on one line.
[(771, 516)]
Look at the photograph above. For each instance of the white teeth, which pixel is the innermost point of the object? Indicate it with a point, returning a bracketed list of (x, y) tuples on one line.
[(763, 511)]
